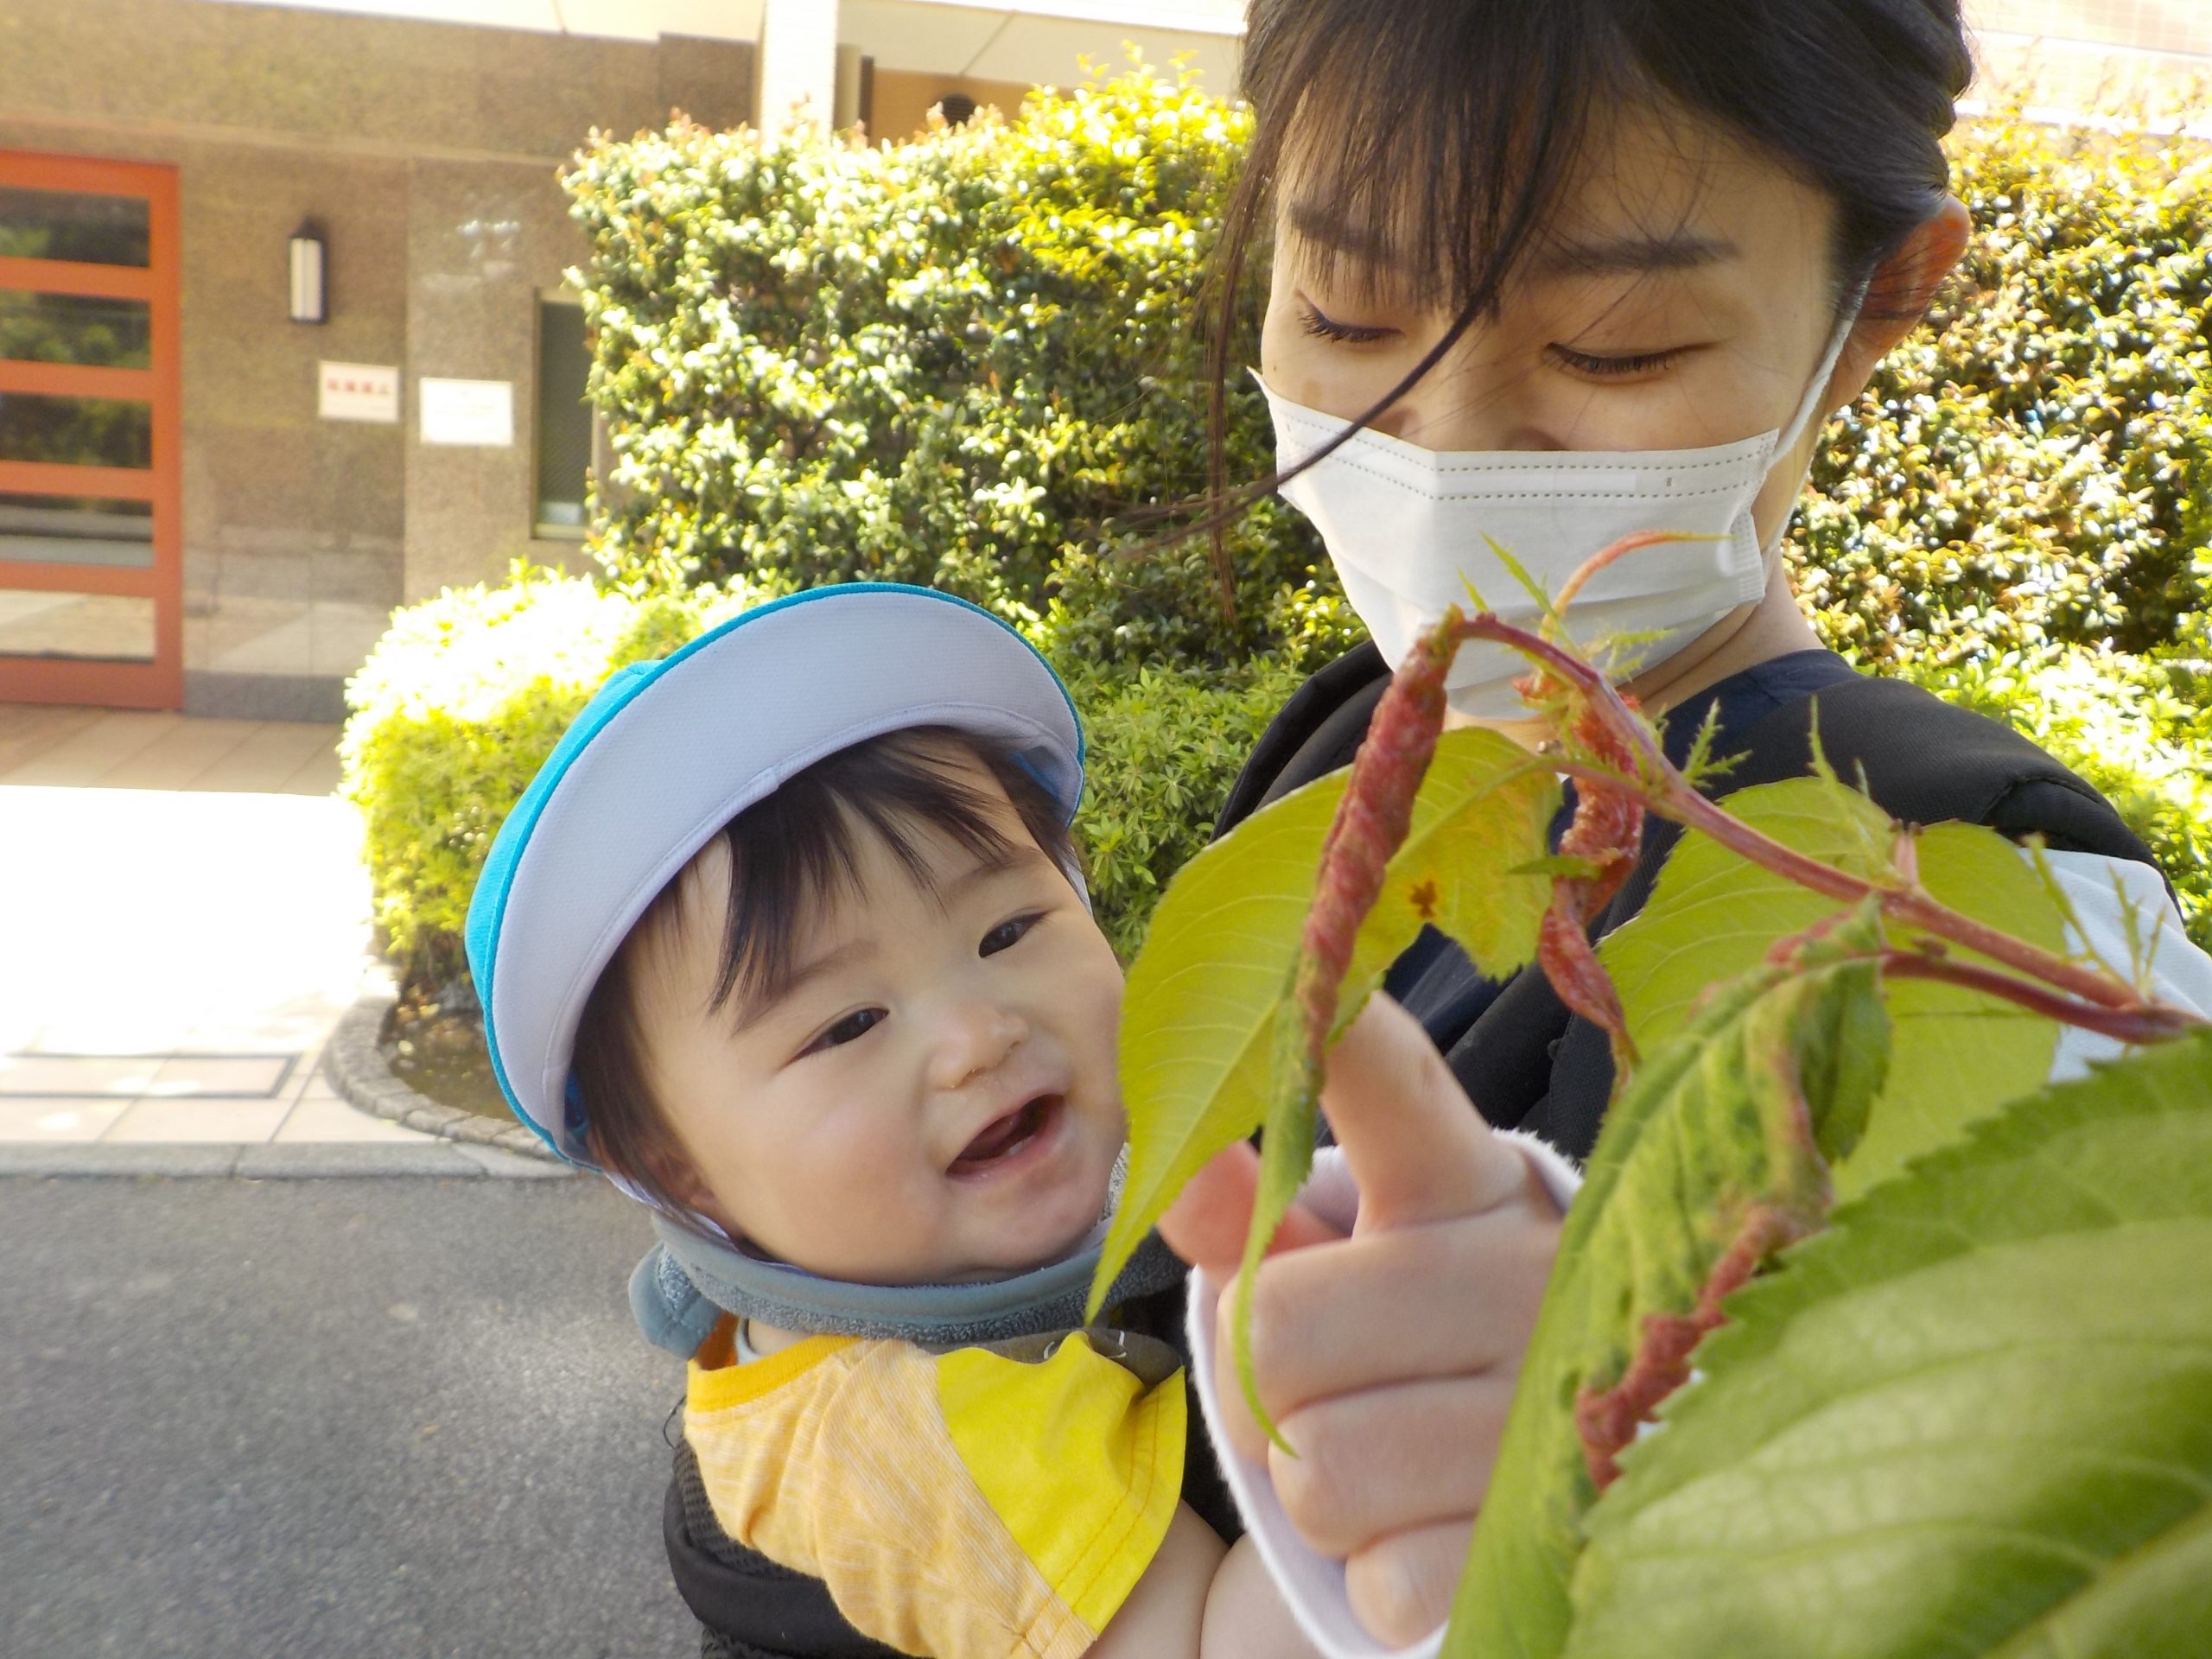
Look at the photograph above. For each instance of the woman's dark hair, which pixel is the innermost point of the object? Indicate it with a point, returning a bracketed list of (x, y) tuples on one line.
[(788, 853), (1449, 128)]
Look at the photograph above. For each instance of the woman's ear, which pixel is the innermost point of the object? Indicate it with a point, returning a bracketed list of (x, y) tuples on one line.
[(1904, 286)]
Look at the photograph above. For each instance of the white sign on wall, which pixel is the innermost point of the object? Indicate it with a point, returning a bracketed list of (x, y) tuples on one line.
[(360, 391), (481, 413)]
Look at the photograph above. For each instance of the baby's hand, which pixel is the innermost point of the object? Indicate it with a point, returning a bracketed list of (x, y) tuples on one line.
[(1387, 1356)]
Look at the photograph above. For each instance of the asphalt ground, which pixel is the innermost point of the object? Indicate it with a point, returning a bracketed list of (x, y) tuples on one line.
[(319, 1419)]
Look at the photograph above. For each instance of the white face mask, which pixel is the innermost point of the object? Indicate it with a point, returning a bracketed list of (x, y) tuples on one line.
[(1409, 529)]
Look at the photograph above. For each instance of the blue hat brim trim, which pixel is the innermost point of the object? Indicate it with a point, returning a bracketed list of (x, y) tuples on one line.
[(481, 933)]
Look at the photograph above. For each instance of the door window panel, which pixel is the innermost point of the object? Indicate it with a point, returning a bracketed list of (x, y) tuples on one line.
[(76, 431), (76, 225), (109, 627), (69, 529), (79, 328)]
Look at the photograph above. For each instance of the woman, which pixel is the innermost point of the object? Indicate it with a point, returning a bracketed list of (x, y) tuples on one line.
[(1549, 273)]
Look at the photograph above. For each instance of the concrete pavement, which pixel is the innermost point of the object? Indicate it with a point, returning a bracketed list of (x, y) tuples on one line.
[(183, 919), (318, 1419)]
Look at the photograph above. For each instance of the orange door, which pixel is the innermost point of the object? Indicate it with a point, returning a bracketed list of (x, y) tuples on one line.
[(91, 555)]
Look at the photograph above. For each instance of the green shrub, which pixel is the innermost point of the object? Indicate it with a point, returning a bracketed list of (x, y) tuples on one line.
[(2034, 468), (1164, 749), (454, 713), (465, 697), (2139, 729), (968, 361)]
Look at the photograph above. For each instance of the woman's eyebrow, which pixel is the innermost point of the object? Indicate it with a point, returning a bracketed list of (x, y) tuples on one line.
[(1633, 255), (1629, 255), (1324, 224)]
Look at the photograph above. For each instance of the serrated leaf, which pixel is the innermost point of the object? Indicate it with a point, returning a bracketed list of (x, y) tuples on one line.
[(1713, 915), (1973, 1419), (1723, 1118), (1199, 1015)]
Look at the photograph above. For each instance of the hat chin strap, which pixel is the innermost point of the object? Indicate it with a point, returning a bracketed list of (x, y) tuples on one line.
[(690, 1279)]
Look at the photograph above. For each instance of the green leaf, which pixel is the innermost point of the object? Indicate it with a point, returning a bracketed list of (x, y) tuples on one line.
[(1724, 1118), (1973, 1419), (1203, 996), (1198, 1020), (1713, 915)]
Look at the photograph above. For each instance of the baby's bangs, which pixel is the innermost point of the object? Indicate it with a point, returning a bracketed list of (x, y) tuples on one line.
[(1415, 168)]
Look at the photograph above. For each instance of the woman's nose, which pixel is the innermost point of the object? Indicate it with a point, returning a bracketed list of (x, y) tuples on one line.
[(977, 1036), (1470, 401)]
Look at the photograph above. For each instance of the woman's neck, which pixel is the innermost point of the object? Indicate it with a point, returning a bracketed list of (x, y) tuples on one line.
[(1769, 626)]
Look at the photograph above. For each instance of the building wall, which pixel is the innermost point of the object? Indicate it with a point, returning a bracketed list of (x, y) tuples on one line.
[(427, 153), (2135, 59), (904, 97)]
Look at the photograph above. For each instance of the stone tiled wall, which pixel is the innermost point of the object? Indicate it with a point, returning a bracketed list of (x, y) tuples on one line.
[(427, 153), (2147, 25), (2149, 60)]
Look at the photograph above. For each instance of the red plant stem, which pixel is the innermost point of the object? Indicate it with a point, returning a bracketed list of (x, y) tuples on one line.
[(2147, 1022), (1666, 791), (1913, 905), (1608, 1419), (1369, 826)]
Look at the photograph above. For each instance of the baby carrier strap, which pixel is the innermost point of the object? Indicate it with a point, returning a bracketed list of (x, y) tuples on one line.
[(1529, 1064), (747, 1606)]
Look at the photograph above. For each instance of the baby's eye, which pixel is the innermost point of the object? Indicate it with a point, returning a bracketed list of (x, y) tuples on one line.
[(856, 1023), (1006, 934)]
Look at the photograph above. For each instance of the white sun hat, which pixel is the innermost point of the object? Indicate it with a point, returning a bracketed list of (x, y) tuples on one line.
[(669, 751)]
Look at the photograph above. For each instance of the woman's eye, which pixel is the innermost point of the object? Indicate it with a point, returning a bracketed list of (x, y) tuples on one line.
[(1343, 333), (858, 1023), (1613, 367), (1005, 934)]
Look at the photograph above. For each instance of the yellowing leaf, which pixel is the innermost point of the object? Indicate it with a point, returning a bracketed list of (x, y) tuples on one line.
[(1974, 1420), (1957, 1054)]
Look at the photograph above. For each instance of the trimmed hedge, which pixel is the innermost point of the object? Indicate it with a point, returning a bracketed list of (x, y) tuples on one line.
[(462, 701), (969, 361), (2034, 468), (455, 711)]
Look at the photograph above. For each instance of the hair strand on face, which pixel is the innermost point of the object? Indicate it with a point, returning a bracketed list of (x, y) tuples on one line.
[(1441, 136)]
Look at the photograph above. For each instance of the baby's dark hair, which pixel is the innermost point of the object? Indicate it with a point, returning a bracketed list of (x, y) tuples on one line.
[(788, 852)]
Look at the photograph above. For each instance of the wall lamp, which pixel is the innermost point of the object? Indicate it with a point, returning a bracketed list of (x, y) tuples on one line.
[(310, 265)]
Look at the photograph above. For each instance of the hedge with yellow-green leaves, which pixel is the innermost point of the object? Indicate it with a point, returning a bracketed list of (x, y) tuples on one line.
[(975, 360)]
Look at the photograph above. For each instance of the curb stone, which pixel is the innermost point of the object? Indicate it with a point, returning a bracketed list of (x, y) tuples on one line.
[(354, 1063), (262, 1161)]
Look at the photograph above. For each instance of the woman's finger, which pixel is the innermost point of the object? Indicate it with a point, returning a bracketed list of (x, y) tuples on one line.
[(1418, 1149), (1364, 1312), (1367, 1464), (1207, 1222), (1400, 1587)]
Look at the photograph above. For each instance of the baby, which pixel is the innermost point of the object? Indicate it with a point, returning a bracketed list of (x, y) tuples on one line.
[(789, 938)]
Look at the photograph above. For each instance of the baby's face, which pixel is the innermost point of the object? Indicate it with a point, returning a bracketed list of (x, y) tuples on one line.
[(933, 1097)]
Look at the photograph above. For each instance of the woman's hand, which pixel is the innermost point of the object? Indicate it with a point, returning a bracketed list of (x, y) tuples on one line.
[(1387, 1357)]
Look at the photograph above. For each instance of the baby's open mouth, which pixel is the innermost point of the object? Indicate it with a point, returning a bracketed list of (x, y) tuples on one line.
[(1005, 1138)]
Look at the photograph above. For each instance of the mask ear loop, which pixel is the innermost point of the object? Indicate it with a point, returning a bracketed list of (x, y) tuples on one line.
[(1810, 408)]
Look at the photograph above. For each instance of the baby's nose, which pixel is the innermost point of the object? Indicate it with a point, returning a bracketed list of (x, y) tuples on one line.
[(978, 1038)]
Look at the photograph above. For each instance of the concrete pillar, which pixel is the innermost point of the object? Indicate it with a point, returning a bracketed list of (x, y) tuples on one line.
[(798, 62)]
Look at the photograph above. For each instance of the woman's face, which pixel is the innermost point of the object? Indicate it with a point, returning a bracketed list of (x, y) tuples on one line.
[(1681, 298)]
